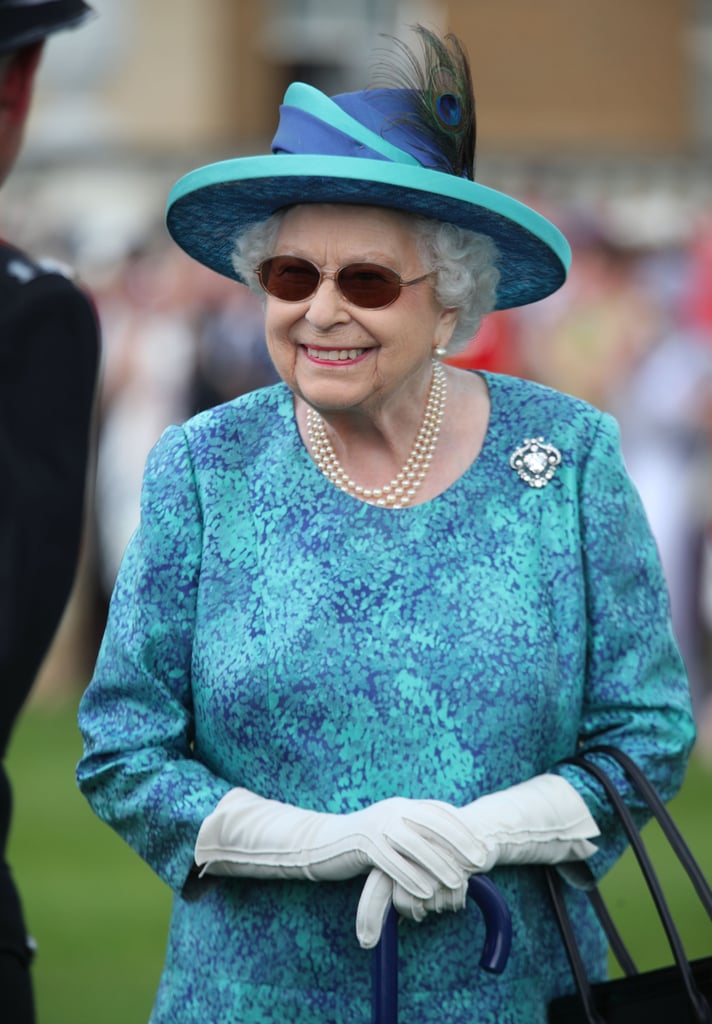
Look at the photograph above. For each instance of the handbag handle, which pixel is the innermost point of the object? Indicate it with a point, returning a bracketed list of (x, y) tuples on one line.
[(700, 1006), (578, 968), (495, 952), (662, 815)]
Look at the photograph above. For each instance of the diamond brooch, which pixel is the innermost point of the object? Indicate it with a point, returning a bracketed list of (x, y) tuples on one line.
[(535, 462)]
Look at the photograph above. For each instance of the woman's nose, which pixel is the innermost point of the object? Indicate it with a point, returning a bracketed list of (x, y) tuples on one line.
[(327, 305)]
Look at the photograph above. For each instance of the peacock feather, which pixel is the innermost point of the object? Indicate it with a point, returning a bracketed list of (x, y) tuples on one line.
[(443, 108)]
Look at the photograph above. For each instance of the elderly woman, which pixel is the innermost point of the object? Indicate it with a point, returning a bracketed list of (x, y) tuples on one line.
[(369, 610)]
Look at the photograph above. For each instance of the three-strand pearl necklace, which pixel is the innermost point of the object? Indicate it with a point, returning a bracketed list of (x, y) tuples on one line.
[(404, 486)]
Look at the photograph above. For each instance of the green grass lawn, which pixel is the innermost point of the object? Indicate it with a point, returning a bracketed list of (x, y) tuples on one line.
[(97, 912), (100, 916)]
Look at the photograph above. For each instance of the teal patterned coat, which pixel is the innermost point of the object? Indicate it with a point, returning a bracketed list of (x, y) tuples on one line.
[(271, 632)]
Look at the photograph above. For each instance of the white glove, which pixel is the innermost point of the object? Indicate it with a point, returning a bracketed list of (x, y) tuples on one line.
[(420, 844), (541, 821)]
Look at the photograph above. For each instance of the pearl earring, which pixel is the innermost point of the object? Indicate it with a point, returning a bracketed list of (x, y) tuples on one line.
[(440, 352)]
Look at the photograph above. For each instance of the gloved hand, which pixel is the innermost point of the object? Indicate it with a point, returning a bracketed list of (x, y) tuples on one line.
[(380, 891), (420, 844), (541, 821)]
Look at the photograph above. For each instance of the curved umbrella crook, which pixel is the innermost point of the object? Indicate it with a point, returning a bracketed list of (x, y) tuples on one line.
[(495, 953)]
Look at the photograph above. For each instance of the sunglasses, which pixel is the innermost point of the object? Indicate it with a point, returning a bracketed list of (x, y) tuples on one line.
[(366, 285)]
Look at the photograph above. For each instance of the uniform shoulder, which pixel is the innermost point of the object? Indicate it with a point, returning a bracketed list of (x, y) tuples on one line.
[(42, 289), (20, 268), (23, 277)]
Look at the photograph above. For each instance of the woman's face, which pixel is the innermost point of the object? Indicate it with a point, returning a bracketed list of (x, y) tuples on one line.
[(338, 356)]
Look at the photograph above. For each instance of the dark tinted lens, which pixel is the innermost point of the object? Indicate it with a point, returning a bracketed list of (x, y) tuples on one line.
[(368, 285), (289, 278)]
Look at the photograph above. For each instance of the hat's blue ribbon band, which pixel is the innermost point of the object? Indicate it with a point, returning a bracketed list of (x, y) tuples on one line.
[(300, 132)]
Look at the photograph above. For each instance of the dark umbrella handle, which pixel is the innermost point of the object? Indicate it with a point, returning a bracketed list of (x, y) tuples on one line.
[(495, 953), (498, 923)]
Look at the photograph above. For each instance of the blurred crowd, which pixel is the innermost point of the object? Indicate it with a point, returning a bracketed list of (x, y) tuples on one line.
[(631, 332)]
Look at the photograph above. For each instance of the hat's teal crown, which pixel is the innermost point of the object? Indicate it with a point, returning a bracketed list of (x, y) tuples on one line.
[(363, 148)]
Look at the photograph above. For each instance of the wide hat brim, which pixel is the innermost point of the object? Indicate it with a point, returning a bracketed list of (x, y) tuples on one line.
[(211, 206)]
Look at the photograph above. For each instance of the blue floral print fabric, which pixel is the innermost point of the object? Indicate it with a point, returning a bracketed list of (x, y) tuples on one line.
[(269, 631)]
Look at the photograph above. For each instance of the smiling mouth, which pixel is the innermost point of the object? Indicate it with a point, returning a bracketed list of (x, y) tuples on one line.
[(335, 355)]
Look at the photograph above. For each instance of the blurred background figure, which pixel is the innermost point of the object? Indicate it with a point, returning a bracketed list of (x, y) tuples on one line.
[(231, 354), (148, 358), (664, 407), (587, 341), (48, 362)]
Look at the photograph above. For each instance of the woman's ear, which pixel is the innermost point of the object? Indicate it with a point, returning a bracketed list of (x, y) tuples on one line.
[(16, 82), (445, 327)]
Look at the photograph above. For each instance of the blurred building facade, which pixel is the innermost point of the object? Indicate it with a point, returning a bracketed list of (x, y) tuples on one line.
[(575, 99), (585, 78)]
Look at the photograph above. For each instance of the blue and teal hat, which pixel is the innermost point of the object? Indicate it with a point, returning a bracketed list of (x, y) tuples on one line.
[(364, 148)]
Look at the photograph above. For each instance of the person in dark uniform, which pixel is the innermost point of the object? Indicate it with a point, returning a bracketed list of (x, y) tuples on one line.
[(49, 349)]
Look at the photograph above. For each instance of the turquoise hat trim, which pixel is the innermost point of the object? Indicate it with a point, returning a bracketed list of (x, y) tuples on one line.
[(250, 168)]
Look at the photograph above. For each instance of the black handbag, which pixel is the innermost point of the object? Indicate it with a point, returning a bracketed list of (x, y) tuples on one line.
[(678, 994)]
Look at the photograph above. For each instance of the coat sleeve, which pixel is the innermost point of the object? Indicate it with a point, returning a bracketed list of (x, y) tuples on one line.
[(636, 695), (138, 771), (49, 348)]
